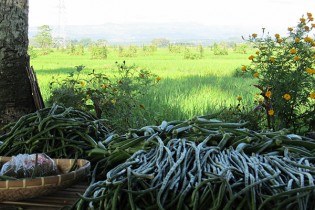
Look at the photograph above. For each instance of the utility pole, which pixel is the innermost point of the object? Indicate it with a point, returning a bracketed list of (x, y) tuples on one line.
[(61, 34)]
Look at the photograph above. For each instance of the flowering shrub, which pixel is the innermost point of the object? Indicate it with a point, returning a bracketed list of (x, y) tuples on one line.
[(115, 99), (284, 68)]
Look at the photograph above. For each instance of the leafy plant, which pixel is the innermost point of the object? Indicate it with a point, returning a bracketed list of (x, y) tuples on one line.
[(240, 48), (219, 49), (115, 99), (98, 52), (77, 49), (242, 113), (131, 51), (175, 48), (149, 49), (189, 54), (284, 68)]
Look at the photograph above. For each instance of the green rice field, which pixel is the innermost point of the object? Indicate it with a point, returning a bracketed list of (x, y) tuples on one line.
[(187, 87)]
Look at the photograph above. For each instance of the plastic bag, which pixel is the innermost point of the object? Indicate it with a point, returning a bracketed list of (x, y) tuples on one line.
[(25, 166)]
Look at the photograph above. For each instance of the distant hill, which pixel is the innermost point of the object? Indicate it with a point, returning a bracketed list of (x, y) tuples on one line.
[(144, 32)]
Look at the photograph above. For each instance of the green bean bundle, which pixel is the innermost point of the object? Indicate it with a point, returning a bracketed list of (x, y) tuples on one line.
[(57, 131), (183, 174), (117, 148)]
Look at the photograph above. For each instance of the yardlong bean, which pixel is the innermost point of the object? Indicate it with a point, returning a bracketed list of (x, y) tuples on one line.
[(178, 178), (199, 163)]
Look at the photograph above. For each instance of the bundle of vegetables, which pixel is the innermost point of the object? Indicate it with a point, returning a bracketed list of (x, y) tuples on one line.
[(117, 148), (57, 131), (186, 175)]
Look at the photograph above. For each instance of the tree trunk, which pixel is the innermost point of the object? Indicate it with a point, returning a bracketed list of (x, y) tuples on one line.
[(15, 89)]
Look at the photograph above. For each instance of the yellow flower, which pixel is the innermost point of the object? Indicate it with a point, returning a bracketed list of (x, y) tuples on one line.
[(257, 52), (82, 83), (307, 28), (310, 71), (268, 94), (254, 35), (251, 57), (239, 98), (302, 20), (309, 14), (272, 59), (312, 95), (158, 78), (271, 112), (104, 86), (308, 39), (292, 51), (297, 40), (244, 68), (277, 36), (113, 101), (287, 97), (296, 58), (279, 40), (256, 75), (290, 29), (313, 25)]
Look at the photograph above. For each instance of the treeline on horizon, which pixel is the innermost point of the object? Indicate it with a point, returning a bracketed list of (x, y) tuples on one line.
[(45, 41)]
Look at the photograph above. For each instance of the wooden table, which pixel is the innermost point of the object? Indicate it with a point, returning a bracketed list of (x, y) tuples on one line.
[(62, 199)]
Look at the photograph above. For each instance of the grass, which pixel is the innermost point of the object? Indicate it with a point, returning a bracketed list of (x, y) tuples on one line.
[(187, 88)]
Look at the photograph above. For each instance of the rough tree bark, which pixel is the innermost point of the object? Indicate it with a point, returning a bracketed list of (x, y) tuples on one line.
[(15, 89)]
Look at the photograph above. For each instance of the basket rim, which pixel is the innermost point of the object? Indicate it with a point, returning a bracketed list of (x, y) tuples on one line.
[(46, 181), (25, 188)]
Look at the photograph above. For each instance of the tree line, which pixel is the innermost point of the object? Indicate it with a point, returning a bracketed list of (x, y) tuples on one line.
[(45, 41)]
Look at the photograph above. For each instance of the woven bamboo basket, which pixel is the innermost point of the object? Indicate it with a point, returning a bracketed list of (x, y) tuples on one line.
[(13, 190)]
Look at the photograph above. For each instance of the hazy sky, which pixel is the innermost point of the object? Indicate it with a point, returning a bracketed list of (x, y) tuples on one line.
[(260, 13)]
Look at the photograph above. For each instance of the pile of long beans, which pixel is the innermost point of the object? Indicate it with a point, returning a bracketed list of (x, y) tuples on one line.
[(183, 174), (224, 165), (199, 163), (58, 131), (117, 148)]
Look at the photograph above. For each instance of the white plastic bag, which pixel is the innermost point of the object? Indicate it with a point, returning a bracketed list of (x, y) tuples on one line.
[(25, 166)]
